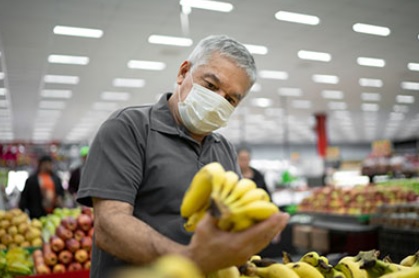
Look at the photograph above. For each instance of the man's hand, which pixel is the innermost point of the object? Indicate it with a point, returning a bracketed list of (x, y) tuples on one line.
[(213, 249)]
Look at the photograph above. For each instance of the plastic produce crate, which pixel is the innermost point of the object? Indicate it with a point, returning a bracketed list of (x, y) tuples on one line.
[(398, 243)]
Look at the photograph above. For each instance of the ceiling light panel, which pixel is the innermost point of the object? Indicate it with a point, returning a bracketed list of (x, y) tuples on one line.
[(128, 82), (1, 75), (394, 116), (56, 93), (413, 66), (78, 32), (46, 104), (371, 29), (262, 102), (257, 49), (370, 62), (207, 5), (410, 86), (290, 92), (271, 74), (337, 105), (297, 18), (400, 108), (314, 56), (326, 79), (370, 96), (332, 94), (68, 59), (405, 99), (115, 96), (301, 104), (61, 79), (370, 82), (146, 65), (256, 87), (108, 106), (3, 103), (370, 107), (3, 91), (169, 40), (49, 113)]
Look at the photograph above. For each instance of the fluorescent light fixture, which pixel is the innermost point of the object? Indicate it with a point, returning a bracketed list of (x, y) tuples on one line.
[(410, 86), (115, 96), (3, 103), (370, 107), (61, 79), (128, 82), (332, 94), (370, 96), (327, 79), (208, 5), (337, 105), (410, 66), (371, 62), (49, 113), (401, 108), (78, 32), (272, 74), (370, 82), (262, 102), (394, 116), (168, 40), (47, 104), (257, 49), (371, 29), (256, 87), (105, 106), (1, 75), (290, 92), (68, 59), (56, 93), (3, 91), (301, 104), (314, 56), (297, 18), (146, 65), (405, 99)]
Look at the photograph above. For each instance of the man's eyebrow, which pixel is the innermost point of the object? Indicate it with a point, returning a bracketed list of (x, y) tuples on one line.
[(216, 79)]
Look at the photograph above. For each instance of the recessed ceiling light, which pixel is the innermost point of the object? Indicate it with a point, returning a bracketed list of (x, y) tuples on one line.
[(327, 79), (371, 29), (105, 106), (405, 99), (332, 94), (3, 103), (262, 102), (146, 65), (370, 82), (116, 96), (337, 105), (410, 86), (290, 92), (370, 96), (207, 5), (1, 75), (297, 18), (257, 49), (256, 87), (413, 66), (61, 79), (46, 104), (3, 91), (370, 107), (394, 116), (169, 40), (301, 104), (78, 32), (128, 82), (272, 74), (68, 59), (371, 62), (56, 93), (401, 108), (314, 56)]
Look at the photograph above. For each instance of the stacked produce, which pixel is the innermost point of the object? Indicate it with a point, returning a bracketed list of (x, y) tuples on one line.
[(355, 200), (51, 221), (15, 262), (16, 230), (69, 248)]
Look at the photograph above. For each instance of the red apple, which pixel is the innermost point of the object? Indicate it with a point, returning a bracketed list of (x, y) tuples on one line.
[(84, 222), (87, 210), (63, 233), (42, 269), (91, 231), (65, 257), (59, 268), (72, 245), (86, 243), (74, 267), (79, 234), (81, 256), (57, 244), (50, 259), (70, 223), (87, 265)]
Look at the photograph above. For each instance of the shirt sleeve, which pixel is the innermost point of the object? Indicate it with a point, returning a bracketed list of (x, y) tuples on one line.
[(114, 166)]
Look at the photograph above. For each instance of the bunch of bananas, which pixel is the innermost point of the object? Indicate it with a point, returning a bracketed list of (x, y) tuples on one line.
[(236, 203), (15, 262)]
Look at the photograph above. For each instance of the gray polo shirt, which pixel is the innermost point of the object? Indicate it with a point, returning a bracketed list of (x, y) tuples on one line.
[(142, 157)]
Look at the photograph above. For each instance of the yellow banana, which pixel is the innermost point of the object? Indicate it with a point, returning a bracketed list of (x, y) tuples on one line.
[(198, 194), (305, 270), (229, 272), (312, 258), (242, 186), (276, 270), (194, 219), (230, 181), (350, 268), (176, 266), (377, 268), (334, 273), (250, 196), (257, 210), (411, 272), (242, 224), (286, 257), (410, 260)]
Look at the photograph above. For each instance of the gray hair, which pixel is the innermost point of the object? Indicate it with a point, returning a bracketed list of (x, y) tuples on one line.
[(227, 47)]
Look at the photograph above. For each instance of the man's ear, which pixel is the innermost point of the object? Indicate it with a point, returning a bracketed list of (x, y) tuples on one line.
[(183, 69)]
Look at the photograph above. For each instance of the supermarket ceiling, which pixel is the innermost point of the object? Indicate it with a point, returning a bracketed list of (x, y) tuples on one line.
[(363, 103)]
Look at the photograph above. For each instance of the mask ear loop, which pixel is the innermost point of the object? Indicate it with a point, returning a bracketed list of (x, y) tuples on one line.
[(190, 72)]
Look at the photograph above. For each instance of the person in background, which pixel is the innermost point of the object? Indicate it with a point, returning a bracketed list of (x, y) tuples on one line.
[(143, 159), (244, 158), (73, 183), (43, 191)]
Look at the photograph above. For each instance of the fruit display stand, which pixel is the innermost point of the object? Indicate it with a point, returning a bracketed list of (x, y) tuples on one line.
[(78, 274)]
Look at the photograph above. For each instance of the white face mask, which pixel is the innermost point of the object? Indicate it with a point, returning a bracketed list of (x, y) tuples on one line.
[(204, 111)]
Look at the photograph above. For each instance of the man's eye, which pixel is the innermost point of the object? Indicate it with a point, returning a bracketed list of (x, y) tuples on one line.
[(211, 86), (232, 101)]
